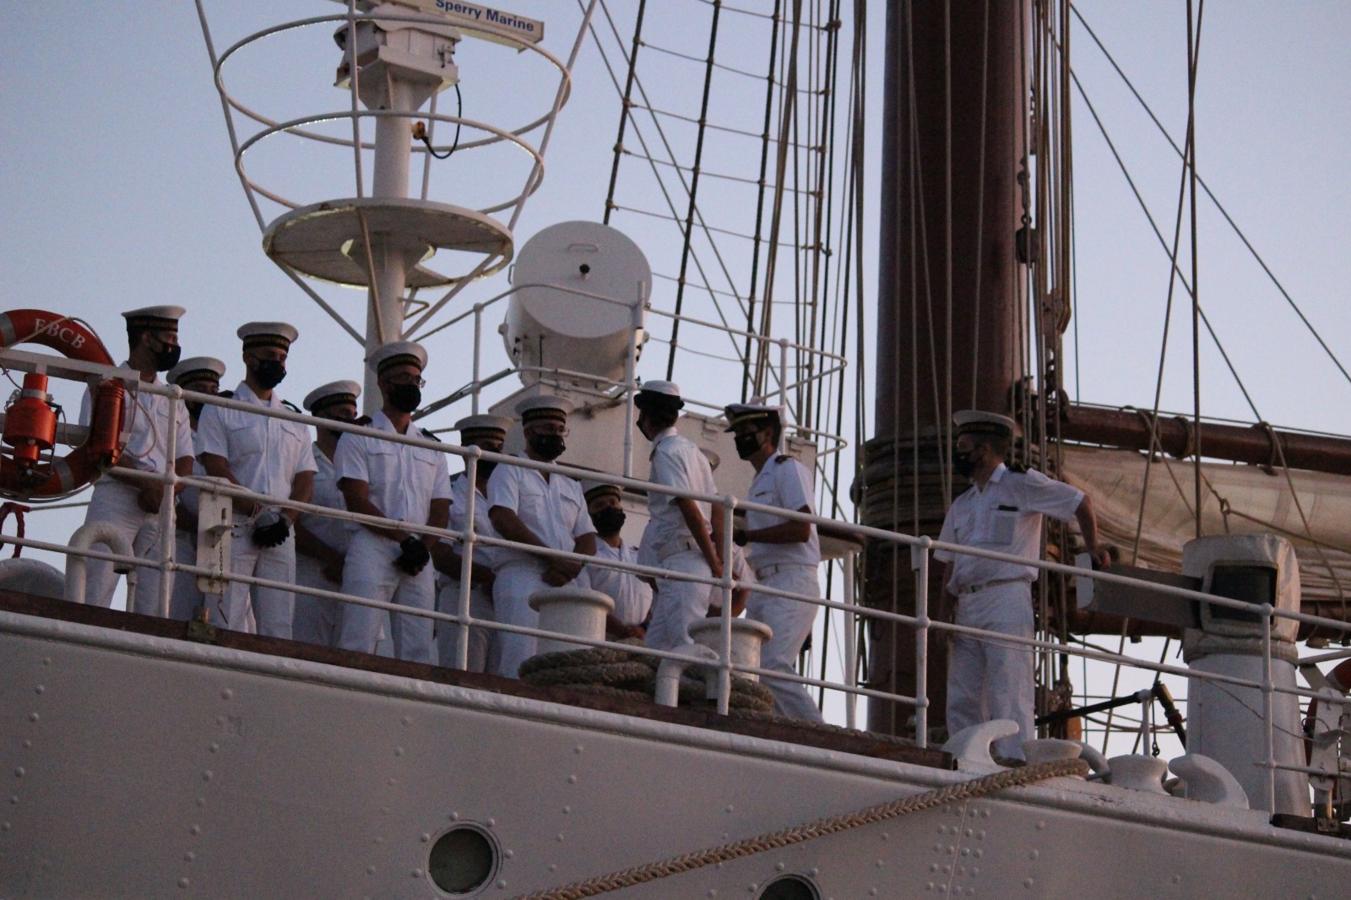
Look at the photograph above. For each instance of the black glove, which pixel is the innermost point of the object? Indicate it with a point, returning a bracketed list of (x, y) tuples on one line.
[(413, 555), (273, 533)]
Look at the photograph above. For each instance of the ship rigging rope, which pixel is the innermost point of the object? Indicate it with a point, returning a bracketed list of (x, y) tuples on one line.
[(963, 791), (1214, 199)]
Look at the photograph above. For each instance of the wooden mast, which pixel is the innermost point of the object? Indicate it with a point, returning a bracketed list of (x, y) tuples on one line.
[(948, 326)]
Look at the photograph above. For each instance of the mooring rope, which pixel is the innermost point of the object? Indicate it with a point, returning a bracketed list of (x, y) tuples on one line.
[(776, 840)]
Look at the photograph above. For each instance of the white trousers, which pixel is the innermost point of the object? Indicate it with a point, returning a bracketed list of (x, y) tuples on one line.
[(992, 679), (513, 585), (316, 619), (482, 640), (791, 621), (369, 572), (115, 502), (186, 598), (271, 608), (677, 605)]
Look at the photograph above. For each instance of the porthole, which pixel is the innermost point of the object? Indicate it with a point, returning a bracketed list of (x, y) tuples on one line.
[(790, 887), (463, 860)]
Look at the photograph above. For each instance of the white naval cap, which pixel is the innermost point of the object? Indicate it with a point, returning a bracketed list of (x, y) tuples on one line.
[(593, 489), (267, 334), (333, 392), (157, 316), (397, 353), (660, 394), (543, 406), (969, 421), (749, 413), (194, 368), (483, 422)]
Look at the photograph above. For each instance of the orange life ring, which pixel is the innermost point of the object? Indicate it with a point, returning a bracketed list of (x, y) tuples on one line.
[(28, 427)]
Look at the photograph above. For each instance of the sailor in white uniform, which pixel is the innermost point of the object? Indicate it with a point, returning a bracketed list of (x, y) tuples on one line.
[(785, 553), (632, 595), (132, 506), (270, 457), (682, 534), (540, 509), (410, 485), (488, 433), (1002, 510), (321, 541), (201, 374)]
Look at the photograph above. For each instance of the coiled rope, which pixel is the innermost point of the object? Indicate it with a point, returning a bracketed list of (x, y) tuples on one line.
[(776, 840), (613, 672)]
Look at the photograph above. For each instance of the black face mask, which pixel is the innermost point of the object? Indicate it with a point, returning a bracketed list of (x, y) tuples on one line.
[(485, 467), (963, 464), (167, 358), (404, 397), (195, 409), (609, 520), (548, 446), (269, 373), (747, 445)]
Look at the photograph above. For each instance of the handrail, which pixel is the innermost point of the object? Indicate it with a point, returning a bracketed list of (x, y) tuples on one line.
[(921, 548)]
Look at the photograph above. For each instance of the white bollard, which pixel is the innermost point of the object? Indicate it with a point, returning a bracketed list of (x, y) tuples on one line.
[(570, 611), (748, 637)]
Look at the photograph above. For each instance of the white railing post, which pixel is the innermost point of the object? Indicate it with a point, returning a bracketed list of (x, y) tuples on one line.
[(1268, 712), (725, 651), (783, 380), (167, 508), (919, 561), (478, 340), (467, 559), (850, 642)]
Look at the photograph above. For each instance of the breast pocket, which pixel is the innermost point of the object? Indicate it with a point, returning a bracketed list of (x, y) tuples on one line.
[(570, 511), (1002, 527), (382, 464), (245, 441)]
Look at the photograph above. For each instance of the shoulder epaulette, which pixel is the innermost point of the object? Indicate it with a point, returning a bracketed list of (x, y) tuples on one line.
[(427, 434), (1016, 468), (362, 420), (456, 477), (226, 393), (291, 406), (782, 457)]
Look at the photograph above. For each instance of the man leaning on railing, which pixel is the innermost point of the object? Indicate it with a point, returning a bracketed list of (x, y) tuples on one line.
[(1001, 511)]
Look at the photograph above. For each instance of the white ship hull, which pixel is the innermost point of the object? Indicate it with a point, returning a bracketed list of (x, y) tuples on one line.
[(147, 766)]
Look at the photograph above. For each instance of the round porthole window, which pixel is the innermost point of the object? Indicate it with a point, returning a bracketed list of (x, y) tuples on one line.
[(462, 860), (790, 887)]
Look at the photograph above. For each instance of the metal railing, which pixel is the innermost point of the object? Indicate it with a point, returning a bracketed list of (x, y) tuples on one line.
[(468, 539)]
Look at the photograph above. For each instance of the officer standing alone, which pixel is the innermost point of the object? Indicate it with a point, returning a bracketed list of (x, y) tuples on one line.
[(408, 484), (785, 553), (268, 456), (132, 505), (1001, 511)]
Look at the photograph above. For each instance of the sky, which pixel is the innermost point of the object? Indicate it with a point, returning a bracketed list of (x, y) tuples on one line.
[(120, 190)]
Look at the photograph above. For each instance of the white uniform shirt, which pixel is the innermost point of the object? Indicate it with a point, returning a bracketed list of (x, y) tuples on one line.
[(265, 454), (148, 417), (632, 596), (483, 526), (554, 510), (336, 533), (676, 462), (403, 479), (1005, 516), (783, 482), (190, 498)]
